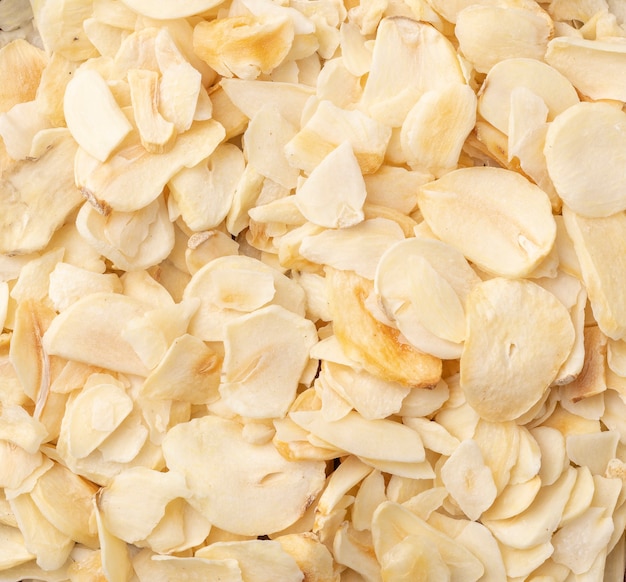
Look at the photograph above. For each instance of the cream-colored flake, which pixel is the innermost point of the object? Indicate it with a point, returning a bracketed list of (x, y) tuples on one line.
[(512, 32), (598, 132), (594, 67), (495, 217), (90, 331), (507, 76), (93, 117), (265, 355), (328, 127), (38, 194), (133, 178), (325, 201), (436, 127), (409, 58), (253, 479), (598, 243), (504, 343)]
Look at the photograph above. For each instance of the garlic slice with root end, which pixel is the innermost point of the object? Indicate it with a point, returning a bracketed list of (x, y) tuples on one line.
[(505, 341), (329, 203), (596, 131), (156, 133), (495, 217), (265, 354), (93, 117), (237, 485)]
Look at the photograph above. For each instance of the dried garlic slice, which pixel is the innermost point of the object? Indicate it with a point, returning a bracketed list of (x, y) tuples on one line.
[(38, 193), (598, 243), (90, 331), (327, 202), (265, 355), (237, 485), (93, 117), (409, 58), (259, 560), (244, 46), (596, 131), (512, 32), (375, 346), (495, 217), (595, 67), (423, 285), (134, 502), (494, 96), (133, 178), (469, 480), (506, 341)]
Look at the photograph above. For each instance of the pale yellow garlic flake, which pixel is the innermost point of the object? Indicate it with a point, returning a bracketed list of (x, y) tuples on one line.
[(265, 355), (596, 131), (505, 341), (594, 67), (92, 115), (490, 34), (495, 217), (252, 479), (327, 202)]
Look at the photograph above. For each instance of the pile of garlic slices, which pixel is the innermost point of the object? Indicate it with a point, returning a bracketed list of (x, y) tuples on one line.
[(305, 290)]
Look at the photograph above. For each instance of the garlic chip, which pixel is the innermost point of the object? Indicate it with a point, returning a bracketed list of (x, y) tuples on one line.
[(325, 202), (505, 342), (265, 355), (234, 495), (312, 290), (596, 192)]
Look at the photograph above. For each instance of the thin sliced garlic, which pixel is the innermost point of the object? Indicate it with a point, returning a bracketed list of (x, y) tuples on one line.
[(496, 218)]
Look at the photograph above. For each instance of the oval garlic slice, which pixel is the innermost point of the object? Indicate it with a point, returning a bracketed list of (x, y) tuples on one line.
[(236, 485), (494, 97), (596, 133), (495, 217), (518, 335)]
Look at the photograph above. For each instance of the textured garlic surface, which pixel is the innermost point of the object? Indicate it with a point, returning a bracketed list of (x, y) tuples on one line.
[(312, 290)]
